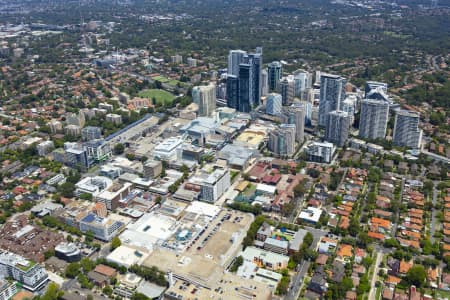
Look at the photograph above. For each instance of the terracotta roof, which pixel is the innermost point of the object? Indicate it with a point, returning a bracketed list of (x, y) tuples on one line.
[(405, 266), (345, 251), (393, 279), (375, 235), (105, 270)]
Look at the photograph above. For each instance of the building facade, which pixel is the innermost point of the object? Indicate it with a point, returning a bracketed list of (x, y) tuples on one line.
[(332, 92), (374, 118), (274, 104), (406, 129), (337, 127), (31, 275), (274, 73), (205, 98)]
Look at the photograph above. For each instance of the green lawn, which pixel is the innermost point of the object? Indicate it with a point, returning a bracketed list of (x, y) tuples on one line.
[(161, 96), (443, 294), (161, 79)]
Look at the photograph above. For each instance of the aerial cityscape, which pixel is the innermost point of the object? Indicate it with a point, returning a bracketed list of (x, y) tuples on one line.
[(224, 149)]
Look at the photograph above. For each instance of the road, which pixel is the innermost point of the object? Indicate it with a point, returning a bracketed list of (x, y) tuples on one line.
[(297, 281), (433, 214), (397, 213), (373, 289)]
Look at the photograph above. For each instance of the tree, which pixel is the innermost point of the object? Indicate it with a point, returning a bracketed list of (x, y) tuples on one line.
[(237, 263), (66, 189), (52, 293), (416, 275), (119, 149), (72, 270), (139, 296), (115, 243)]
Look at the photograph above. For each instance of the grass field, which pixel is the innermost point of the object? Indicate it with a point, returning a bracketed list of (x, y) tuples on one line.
[(161, 79), (161, 96)]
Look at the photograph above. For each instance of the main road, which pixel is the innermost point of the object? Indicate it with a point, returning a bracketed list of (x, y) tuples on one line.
[(373, 289)]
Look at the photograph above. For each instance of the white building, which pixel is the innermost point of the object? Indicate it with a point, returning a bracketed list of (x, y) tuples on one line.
[(167, 150), (31, 275), (205, 97), (102, 228), (320, 152), (310, 215), (45, 148), (92, 185)]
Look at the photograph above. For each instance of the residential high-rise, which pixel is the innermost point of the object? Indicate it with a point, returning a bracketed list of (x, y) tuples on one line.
[(337, 127), (332, 92), (406, 129), (320, 152), (245, 88), (349, 106), (91, 133), (274, 73), (264, 83), (373, 85), (76, 119), (205, 98), (232, 91), (303, 81), (274, 104), (287, 86), (255, 61), (235, 58), (296, 116), (282, 140), (374, 118), (244, 76)]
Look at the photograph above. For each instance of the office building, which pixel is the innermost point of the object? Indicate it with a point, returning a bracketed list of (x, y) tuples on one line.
[(373, 119), (103, 228), (233, 91), (112, 195), (235, 58), (406, 129), (274, 73), (45, 148), (76, 156), (92, 185), (287, 86), (7, 289), (167, 149), (32, 276), (212, 185), (68, 252), (320, 152), (97, 150), (332, 93), (337, 127), (282, 140), (205, 98), (89, 133), (296, 115), (274, 104), (152, 168)]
